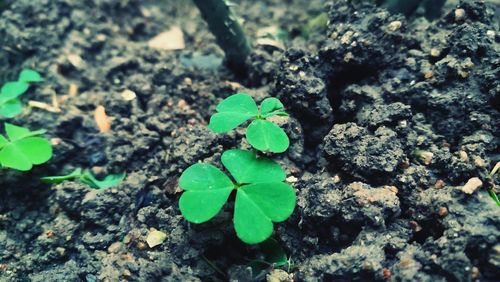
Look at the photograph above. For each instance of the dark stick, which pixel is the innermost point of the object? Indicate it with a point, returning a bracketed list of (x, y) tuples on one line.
[(406, 7), (433, 8), (227, 30)]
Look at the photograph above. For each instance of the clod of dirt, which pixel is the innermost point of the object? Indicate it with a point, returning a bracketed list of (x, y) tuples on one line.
[(357, 151)]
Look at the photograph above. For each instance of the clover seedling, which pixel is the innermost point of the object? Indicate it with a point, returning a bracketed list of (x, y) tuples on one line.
[(262, 134), (10, 105), (23, 148), (86, 177), (261, 195)]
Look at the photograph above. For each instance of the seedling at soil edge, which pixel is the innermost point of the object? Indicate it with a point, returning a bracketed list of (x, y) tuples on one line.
[(261, 195), (86, 177), (23, 148), (262, 134), (10, 105)]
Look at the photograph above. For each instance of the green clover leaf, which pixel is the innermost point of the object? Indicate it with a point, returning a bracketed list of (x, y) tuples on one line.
[(206, 191), (232, 112), (261, 195), (10, 105), (29, 75), (11, 108), (246, 167), (86, 177), (262, 134), (23, 149), (109, 181), (270, 105)]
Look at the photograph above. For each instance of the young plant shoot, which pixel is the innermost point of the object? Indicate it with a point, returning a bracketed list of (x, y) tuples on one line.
[(86, 177), (10, 105), (262, 134), (262, 197), (23, 148)]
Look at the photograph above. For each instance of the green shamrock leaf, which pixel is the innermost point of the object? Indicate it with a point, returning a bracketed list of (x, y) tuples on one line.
[(23, 149), (261, 195), (262, 134), (232, 112), (29, 75), (10, 105)]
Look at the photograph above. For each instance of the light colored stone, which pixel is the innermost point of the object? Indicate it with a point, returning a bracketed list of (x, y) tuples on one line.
[(472, 185)]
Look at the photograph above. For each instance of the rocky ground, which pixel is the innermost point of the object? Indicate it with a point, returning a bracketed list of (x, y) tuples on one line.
[(390, 118)]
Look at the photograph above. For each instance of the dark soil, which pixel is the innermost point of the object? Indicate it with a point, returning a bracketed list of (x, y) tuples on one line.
[(364, 95)]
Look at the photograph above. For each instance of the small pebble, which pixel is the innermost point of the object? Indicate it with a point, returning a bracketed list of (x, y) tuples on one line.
[(463, 156), (141, 246), (443, 211), (76, 61), (479, 162), (435, 52), (61, 251), (439, 184), (128, 95), (114, 248), (472, 185), (395, 25), (291, 179), (336, 179), (415, 226), (459, 14)]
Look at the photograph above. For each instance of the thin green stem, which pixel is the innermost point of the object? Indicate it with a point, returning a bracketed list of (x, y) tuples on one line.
[(227, 30)]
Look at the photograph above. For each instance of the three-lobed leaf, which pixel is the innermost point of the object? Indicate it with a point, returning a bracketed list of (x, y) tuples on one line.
[(23, 149), (262, 134), (261, 196)]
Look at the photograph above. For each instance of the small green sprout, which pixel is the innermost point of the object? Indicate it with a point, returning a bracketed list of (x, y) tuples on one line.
[(86, 177), (262, 134), (23, 148), (261, 195), (492, 190), (10, 105), (270, 256)]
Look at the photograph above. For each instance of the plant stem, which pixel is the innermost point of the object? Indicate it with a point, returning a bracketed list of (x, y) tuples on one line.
[(406, 7), (227, 30), (433, 8)]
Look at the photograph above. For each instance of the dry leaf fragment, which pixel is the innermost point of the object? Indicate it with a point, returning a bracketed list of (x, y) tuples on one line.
[(44, 106), (73, 90), (173, 39), (76, 61), (102, 120), (155, 238)]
